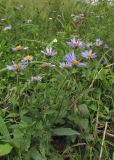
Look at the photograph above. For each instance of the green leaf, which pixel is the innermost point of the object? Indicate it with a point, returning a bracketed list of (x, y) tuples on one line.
[(93, 107), (83, 123), (113, 156), (65, 132), (3, 129), (5, 149), (83, 110), (34, 154)]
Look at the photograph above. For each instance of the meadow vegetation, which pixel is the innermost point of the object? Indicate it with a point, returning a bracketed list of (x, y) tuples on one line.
[(56, 80)]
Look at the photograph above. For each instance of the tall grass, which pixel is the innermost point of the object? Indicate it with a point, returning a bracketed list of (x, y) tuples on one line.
[(43, 6), (69, 114)]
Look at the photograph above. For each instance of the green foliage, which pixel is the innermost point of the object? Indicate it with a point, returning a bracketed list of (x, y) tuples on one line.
[(65, 132), (62, 116), (5, 149), (3, 129)]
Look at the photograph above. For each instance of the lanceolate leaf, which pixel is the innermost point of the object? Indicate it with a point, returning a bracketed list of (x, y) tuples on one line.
[(65, 132), (3, 129)]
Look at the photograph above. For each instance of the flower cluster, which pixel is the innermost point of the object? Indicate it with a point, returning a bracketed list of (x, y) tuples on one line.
[(71, 59)]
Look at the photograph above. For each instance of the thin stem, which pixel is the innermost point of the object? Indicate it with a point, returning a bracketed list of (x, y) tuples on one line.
[(103, 140)]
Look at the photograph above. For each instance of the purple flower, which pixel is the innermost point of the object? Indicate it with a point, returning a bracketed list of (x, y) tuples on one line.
[(71, 59), (16, 67), (64, 65), (49, 52), (89, 54), (27, 58), (75, 43), (98, 42)]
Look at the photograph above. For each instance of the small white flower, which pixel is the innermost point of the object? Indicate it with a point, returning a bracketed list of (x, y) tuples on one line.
[(36, 78), (65, 65), (29, 21), (7, 28), (25, 48), (55, 40)]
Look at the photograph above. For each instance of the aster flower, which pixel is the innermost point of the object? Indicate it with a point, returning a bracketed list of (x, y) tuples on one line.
[(17, 67), (49, 52), (47, 65), (19, 48), (7, 28), (36, 78), (27, 58), (98, 42), (71, 59), (75, 43), (64, 65), (89, 54)]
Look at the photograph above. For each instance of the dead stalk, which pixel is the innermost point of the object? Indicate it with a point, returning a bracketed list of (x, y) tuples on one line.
[(103, 140)]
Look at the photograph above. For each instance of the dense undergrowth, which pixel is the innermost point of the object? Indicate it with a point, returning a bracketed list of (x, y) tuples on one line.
[(50, 109)]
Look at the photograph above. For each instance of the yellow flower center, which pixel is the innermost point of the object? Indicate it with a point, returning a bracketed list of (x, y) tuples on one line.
[(17, 66), (75, 62), (28, 57), (89, 54), (18, 47), (76, 44)]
